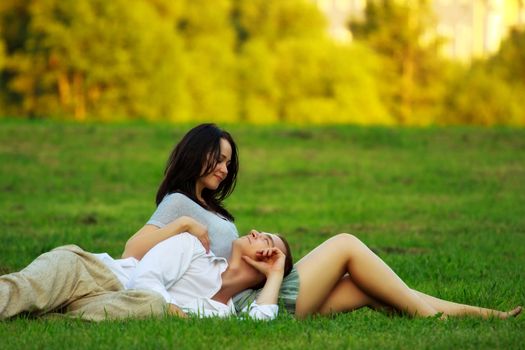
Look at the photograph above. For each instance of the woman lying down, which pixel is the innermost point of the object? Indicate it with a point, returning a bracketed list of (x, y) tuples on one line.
[(177, 276)]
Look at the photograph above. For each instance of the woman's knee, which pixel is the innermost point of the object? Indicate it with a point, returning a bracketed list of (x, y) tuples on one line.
[(347, 239), (348, 243)]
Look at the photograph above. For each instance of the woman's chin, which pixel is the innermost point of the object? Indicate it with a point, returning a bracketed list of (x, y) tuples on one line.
[(213, 187)]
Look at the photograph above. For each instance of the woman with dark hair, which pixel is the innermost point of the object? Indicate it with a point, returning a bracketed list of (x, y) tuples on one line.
[(203, 153), (342, 274), (200, 173)]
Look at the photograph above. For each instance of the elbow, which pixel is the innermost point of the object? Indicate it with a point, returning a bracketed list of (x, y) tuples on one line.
[(127, 252), (130, 251)]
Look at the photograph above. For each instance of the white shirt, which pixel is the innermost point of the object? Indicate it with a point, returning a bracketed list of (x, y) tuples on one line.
[(181, 271)]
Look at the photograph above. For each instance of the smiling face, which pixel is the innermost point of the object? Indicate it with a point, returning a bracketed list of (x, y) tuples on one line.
[(213, 179)]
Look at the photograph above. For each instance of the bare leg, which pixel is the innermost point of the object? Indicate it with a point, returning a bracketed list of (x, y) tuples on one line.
[(454, 309), (346, 296), (321, 270)]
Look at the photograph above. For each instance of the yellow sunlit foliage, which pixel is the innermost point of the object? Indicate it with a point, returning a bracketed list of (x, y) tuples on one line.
[(325, 83), (257, 61), (95, 60), (483, 98)]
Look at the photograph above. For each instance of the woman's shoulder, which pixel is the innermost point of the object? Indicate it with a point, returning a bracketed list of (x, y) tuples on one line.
[(182, 202), (173, 206), (184, 205), (177, 198)]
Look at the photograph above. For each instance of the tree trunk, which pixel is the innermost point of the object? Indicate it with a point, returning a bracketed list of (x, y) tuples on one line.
[(64, 91), (80, 99)]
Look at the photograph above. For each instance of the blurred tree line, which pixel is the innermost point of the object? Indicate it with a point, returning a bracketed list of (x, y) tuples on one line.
[(260, 61)]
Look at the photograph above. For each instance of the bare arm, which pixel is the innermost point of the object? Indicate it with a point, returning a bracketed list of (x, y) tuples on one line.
[(150, 235)]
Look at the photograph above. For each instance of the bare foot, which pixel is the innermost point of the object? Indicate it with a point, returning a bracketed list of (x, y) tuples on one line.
[(514, 312), (508, 314)]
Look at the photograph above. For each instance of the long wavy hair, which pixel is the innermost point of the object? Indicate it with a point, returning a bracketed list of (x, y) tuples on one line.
[(200, 149)]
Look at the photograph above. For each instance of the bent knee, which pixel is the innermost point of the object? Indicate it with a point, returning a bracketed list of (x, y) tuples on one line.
[(347, 238), (60, 257)]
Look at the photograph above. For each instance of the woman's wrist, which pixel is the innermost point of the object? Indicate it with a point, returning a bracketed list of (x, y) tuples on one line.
[(185, 224), (181, 224)]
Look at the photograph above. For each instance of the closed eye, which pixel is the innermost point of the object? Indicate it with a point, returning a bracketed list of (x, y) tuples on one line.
[(269, 240)]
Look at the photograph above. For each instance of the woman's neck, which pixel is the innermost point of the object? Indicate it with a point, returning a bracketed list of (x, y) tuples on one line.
[(198, 195)]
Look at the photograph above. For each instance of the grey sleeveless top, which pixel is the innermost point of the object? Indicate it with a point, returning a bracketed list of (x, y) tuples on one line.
[(221, 231)]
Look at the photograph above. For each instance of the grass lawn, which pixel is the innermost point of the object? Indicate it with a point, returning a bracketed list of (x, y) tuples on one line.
[(445, 207)]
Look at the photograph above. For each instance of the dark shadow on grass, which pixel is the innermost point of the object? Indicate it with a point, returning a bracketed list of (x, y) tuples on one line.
[(399, 250)]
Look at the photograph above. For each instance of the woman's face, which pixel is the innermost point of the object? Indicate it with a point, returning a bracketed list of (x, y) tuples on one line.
[(212, 180)]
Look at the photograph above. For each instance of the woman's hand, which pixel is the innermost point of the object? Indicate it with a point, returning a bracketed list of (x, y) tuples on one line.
[(199, 231), (269, 261)]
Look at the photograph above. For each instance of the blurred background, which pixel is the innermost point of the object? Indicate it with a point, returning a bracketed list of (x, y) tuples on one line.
[(386, 62)]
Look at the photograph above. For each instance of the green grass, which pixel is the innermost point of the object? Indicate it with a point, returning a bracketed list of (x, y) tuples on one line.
[(445, 207)]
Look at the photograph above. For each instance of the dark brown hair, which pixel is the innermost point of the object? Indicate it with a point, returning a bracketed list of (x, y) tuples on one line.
[(288, 263), (200, 148)]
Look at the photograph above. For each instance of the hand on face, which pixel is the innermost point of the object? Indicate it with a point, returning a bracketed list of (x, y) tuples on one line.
[(268, 261)]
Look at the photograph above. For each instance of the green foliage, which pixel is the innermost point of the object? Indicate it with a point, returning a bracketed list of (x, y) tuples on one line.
[(509, 62), (277, 20), (289, 71), (258, 87), (491, 92), (483, 97), (331, 85), (95, 58), (262, 28), (260, 61), (210, 70), (401, 33), (305, 81)]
